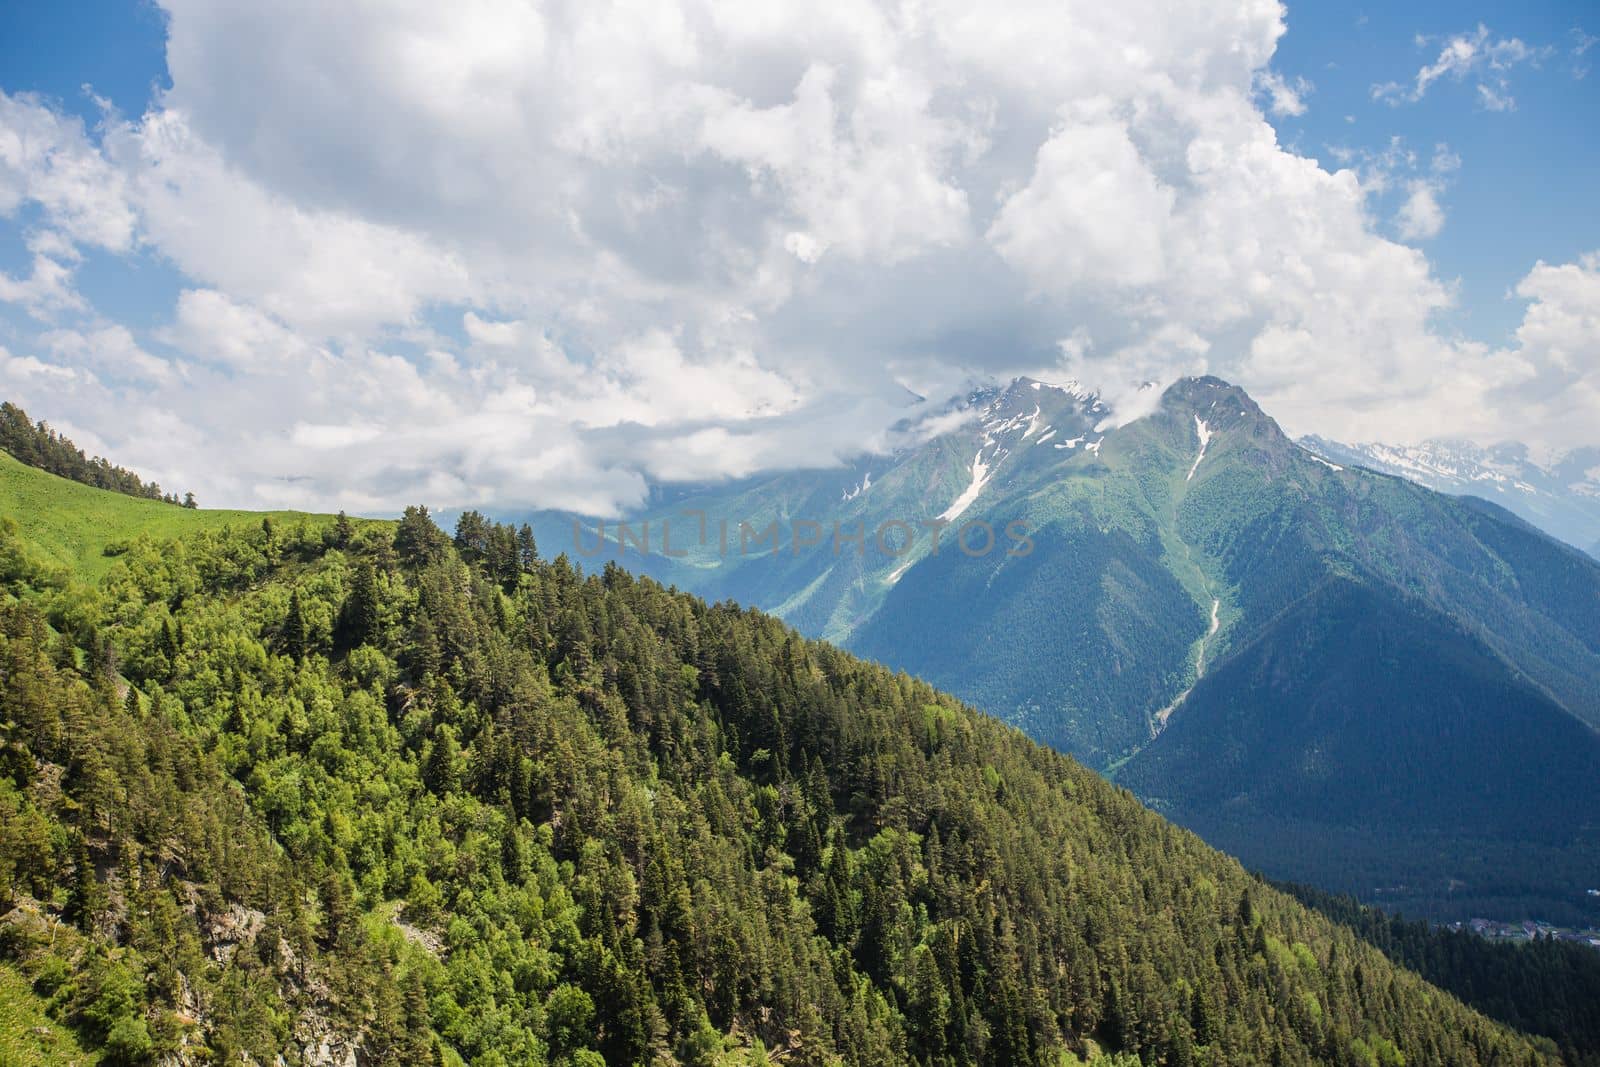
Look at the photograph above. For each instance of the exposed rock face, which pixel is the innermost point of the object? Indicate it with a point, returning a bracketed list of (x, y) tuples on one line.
[(228, 929), (325, 1047)]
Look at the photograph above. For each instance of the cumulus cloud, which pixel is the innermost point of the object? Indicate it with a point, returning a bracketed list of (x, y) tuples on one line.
[(1557, 354), (1399, 170), (497, 254), (328, 272), (1093, 213), (17, 370), (1420, 217)]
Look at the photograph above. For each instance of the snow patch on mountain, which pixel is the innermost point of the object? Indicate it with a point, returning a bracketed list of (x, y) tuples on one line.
[(862, 487), (894, 575), (1204, 433), (981, 473), (1319, 459)]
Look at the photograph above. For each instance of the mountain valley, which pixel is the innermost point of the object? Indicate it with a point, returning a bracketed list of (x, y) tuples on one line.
[(1203, 608)]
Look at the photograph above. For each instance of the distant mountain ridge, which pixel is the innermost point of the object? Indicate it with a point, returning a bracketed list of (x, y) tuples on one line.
[(1170, 616), (1560, 495)]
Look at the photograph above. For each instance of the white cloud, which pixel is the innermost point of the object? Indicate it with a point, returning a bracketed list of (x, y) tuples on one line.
[(328, 272), (212, 327), (1479, 54), (1495, 98), (1398, 168), (111, 351), (47, 290), (1557, 355), (1093, 213), (1581, 43), (648, 380), (492, 253), (1420, 217), (48, 159), (1284, 97), (322, 436), (19, 369), (496, 334)]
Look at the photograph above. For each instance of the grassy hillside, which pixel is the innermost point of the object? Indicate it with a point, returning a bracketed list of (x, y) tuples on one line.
[(73, 524), (38, 445), (287, 791), (29, 1037)]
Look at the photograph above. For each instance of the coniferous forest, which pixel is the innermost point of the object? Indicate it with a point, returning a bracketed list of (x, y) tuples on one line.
[(1545, 986), (325, 789)]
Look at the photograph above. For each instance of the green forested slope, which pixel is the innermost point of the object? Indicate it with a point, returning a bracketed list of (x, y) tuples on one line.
[(284, 786), (1362, 740), (1545, 986)]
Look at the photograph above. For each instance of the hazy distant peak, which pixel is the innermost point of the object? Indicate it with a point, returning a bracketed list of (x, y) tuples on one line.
[(1558, 493)]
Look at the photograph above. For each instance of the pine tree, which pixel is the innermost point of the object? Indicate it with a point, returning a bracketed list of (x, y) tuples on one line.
[(417, 1047), (472, 536), (86, 897), (527, 548), (360, 616), (169, 642), (344, 531), (443, 770), (294, 630), (928, 1010), (417, 540), (338, 910)]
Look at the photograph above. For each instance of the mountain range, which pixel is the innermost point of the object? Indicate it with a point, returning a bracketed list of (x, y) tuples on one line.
[(297, 788), (1560, 495), (1341, 676)]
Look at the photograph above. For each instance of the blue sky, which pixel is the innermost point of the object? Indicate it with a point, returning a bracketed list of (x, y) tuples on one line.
[(116, 46), (73, 51), (250, 248), (1525, 190)]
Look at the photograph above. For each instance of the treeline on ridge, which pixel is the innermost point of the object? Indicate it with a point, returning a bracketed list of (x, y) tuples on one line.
[(37, 445)]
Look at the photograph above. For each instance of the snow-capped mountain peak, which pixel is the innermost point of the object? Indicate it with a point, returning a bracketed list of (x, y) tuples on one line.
[(1559, 493)]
